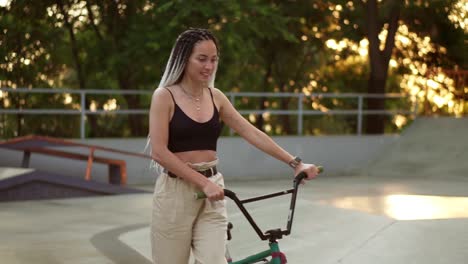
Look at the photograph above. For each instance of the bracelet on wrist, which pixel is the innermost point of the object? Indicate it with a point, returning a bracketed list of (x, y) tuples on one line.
[(295, 162)]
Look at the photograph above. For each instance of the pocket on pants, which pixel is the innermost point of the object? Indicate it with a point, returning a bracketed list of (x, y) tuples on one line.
[(164, 204)]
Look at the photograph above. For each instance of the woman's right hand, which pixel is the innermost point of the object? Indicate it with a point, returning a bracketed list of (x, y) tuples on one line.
[(213, 191)]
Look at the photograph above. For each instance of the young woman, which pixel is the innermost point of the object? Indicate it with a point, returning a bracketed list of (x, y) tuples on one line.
[(185, 115)]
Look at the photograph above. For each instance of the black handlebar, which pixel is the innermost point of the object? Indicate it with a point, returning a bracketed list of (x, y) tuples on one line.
[(230, 194), (272, 235)]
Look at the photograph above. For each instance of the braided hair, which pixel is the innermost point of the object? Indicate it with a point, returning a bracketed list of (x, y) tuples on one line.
[(180, 54)]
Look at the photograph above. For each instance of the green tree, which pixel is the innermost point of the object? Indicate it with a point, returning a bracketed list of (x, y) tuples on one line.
[(124, 45), (369, 18), (30, 57), (267, 46)]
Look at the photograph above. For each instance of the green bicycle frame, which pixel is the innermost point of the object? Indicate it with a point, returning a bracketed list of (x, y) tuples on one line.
[(260, 256)]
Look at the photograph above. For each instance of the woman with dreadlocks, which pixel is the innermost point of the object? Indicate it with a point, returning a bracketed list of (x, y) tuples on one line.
[(185, 115)]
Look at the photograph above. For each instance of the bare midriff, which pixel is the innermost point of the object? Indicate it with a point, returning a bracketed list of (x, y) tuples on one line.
[(197, 156)]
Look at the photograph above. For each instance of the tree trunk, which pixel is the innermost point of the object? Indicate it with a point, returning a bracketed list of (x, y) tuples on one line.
[(74, 46), (379, 61), (118, 27), (375, 124), (92, 119)]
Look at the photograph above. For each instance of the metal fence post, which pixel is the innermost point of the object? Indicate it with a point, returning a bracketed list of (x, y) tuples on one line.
[(359, 123), (83, 114), (299, 115)]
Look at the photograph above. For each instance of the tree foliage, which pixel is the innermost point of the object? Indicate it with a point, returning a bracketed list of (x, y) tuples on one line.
[(266, 46)]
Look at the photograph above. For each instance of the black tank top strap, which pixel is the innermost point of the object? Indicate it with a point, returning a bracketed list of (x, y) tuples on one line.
[(171, 94), (212, 99)]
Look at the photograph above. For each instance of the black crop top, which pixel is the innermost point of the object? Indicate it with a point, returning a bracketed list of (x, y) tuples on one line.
[(185, 134)]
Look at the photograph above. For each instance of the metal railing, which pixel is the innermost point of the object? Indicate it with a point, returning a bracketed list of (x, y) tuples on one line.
[(300, 112)]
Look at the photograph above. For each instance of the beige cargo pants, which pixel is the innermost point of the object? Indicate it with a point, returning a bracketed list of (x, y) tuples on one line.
[(181, 224)]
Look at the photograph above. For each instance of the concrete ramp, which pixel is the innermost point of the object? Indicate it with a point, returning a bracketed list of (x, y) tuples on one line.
[(430, 147), (18, 184)]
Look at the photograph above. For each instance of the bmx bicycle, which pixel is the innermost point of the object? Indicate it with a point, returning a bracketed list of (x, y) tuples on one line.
[(273, 255)]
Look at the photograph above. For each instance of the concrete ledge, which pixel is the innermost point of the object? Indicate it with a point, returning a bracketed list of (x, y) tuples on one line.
[(340, 155)]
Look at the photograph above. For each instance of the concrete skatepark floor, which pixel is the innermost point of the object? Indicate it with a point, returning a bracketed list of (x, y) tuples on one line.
[(115, 229)]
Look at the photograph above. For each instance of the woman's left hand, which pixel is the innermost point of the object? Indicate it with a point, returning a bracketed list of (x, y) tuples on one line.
[(310, 169)]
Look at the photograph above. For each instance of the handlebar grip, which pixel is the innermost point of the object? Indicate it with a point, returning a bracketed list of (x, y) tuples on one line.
[(320, 168), (201, 195), (302, 175)]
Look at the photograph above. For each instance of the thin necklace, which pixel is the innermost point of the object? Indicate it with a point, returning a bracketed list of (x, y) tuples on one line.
[(196, 99)]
